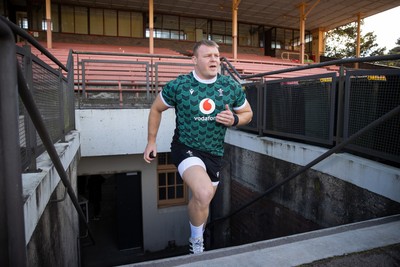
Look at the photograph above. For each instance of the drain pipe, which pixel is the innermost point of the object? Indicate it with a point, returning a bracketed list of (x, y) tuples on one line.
[(328, 153), (12, 230), (34, 113)]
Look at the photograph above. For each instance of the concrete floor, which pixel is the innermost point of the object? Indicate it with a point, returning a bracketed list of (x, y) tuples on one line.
[(370, 243)]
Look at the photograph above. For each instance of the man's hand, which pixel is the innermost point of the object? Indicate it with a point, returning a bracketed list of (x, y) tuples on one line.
[(150, 153), (225, 117)]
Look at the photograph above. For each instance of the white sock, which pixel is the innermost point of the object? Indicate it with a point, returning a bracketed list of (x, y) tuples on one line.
[(196, 231)]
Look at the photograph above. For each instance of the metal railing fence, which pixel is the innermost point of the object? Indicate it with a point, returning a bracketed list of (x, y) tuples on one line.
[(369, 94), (53, 96), (123, 80), (326, 109)]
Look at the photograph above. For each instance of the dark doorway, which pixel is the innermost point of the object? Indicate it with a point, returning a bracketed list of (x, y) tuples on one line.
[(117, 229), (129, 211)]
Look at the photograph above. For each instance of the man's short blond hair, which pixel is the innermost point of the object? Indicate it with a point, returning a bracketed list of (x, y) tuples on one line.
[(204, 42)]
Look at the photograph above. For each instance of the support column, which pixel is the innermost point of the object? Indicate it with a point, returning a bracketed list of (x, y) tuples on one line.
[(48, 23), (318, 44), (235, 7), (151, 26), (358, 42), (303, 17), (302, 30)]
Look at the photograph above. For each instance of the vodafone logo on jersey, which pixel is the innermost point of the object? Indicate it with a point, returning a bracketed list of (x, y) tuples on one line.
[(207, 106)]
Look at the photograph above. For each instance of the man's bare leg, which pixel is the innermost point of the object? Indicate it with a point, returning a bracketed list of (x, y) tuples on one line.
[(203, 192)]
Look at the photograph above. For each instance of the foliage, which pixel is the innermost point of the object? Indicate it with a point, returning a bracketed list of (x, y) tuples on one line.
[(341, 42), (393, 51)]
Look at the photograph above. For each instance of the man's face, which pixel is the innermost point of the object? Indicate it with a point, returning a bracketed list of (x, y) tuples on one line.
[(206, 62)]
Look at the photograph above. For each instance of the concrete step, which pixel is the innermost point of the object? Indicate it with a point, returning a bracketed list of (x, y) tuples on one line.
[(302, 248)]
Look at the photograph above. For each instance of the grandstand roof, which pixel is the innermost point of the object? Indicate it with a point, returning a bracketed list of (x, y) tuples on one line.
[(326, 14)]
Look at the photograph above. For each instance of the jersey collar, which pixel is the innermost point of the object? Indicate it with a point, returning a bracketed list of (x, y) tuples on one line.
[(202, 80)]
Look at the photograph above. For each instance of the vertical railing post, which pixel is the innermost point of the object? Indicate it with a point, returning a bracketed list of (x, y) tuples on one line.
[(70, 93), (83, 79), (340, 106), (30, 132), (148, 81), (62, 105), (12, 230), (261, 112)]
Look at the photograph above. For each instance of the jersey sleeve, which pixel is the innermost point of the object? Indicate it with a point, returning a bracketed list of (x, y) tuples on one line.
[(240, 97), (168, 94)]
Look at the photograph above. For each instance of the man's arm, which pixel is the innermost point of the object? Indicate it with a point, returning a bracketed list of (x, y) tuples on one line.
[(245, 114), (153, 124)]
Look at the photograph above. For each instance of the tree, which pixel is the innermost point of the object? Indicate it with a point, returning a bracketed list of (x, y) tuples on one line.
[(341, 42), (395, 50)]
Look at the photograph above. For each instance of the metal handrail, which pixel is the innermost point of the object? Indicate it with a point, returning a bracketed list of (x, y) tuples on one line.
[(17, 30), (129, 54), (146, 64), (313, 66)]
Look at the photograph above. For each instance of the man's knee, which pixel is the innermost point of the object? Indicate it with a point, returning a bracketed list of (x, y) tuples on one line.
[(204, 195)]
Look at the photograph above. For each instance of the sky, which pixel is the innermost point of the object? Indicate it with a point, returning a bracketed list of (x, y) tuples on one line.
[(386, 27)]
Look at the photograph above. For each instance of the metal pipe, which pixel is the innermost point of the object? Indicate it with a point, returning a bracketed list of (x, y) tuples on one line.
[(12, 230), (129, 54), (33, 41), (328, 153), (34, 113), (30, 133), (318, 65)]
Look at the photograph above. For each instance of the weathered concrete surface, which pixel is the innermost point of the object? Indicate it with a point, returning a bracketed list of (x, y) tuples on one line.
[(370, 243)]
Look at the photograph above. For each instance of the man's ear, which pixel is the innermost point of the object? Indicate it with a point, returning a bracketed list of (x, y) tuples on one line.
[(194, 59)]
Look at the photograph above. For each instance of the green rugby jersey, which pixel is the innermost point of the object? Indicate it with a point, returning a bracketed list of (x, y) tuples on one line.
[(196, 105)]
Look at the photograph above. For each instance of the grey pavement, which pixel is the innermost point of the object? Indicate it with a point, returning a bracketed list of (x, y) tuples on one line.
[(344, 245)]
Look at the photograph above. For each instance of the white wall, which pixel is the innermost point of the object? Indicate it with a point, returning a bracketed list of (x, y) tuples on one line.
[(107, 132), (373, 176)]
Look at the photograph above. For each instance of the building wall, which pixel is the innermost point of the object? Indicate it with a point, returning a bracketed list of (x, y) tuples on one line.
[(108, 132), (51, 221)]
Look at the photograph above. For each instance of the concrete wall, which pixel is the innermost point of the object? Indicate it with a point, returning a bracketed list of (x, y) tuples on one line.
[(107, 132), (315, 199), (51, 226), (373, 176)]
